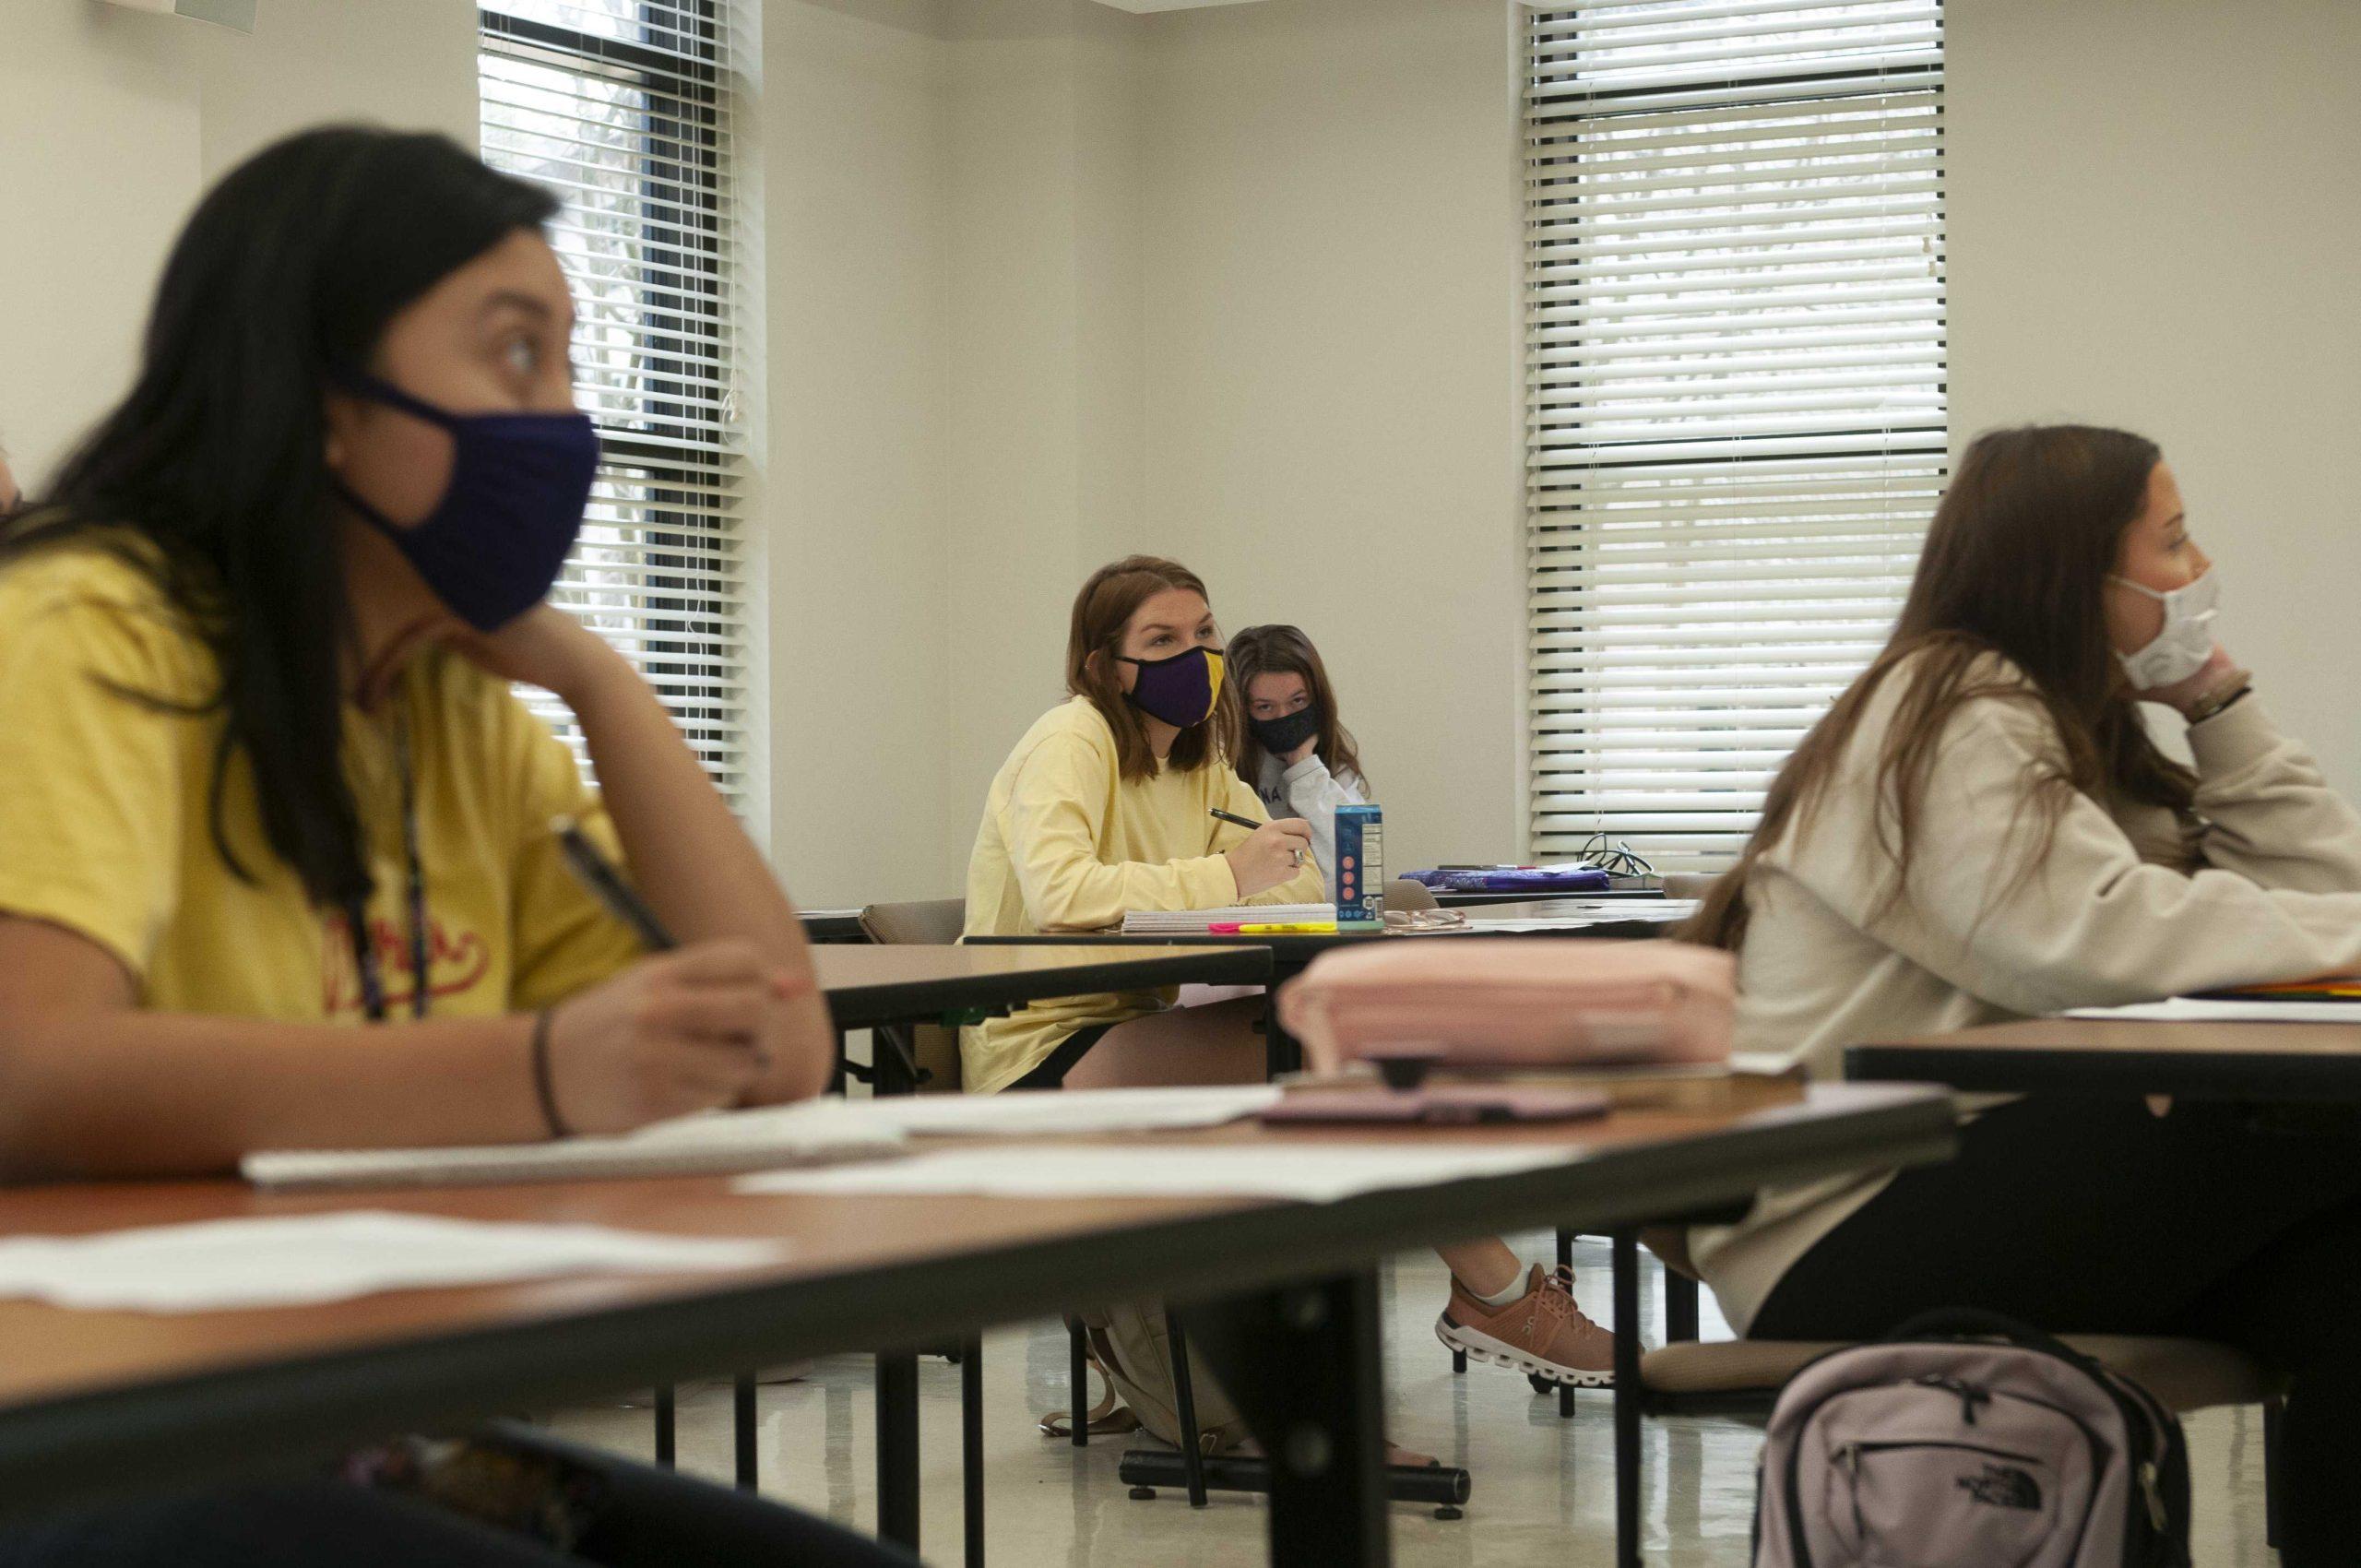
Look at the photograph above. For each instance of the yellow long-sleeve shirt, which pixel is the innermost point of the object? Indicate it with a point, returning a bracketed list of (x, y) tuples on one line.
[(1068, 844)]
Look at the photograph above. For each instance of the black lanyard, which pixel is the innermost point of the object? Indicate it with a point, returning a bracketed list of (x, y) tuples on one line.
[(356, 912)]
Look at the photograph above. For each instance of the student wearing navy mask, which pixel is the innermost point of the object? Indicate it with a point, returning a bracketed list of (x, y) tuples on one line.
[(1297, 754), (276, 863)]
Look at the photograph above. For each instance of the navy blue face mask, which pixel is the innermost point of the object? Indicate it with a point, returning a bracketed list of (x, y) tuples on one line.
[(493, 545)]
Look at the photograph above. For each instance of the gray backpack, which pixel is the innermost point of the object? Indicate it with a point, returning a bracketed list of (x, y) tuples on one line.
[(1966, 1440)]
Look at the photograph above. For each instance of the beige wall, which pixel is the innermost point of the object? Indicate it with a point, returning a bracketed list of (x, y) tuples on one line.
[(1046, 200), (849, 129), (2154, 222), (92, 100), (1332, 397), (113, 121)]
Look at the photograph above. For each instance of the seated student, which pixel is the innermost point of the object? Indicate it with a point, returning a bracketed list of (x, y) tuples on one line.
[(1297, 754), (1981, 829), (276, 863), (1104, 807)]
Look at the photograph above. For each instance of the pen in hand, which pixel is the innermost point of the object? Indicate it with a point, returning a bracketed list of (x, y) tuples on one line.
[(606, 884)]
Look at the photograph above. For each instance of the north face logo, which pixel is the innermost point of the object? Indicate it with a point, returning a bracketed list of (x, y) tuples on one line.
[(2003, 1486)]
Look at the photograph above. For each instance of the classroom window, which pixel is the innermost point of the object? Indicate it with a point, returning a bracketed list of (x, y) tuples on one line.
[(1735, 377), (622, 108)]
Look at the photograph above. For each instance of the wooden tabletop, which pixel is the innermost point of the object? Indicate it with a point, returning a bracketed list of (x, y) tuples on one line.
[(91, 1401), (901, 983), (2122, 1056)]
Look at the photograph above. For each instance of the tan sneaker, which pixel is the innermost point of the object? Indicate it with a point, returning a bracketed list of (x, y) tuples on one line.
[(1542, 1333)]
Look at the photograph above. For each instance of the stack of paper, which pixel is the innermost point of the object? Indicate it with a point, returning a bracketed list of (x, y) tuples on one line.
[(1193, 922), (1305, 1172), (715, 1143), (297, 1260), (2207, 1010)]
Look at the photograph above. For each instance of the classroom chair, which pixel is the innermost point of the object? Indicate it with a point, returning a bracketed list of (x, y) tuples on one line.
[(1741, 1378), (932, 1049)]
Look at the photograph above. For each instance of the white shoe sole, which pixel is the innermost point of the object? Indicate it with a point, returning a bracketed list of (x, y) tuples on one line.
[(1482, 1346)]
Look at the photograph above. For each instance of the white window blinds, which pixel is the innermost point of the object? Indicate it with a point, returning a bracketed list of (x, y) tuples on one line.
[(1735, 377), (621, 108)]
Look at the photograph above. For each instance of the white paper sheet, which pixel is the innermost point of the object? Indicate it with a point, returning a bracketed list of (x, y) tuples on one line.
[(1070, 1111), (714, 1142), (2201, 1010), (298, 1260), (1313, 1173)]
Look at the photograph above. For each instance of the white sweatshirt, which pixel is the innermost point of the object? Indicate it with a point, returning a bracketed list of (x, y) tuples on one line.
[(2117, 911), (1308, 791)]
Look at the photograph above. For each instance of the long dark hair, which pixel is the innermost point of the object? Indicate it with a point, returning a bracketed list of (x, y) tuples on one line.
[(288, 272), (1283, 651), (2015, 563), (1102, 609)]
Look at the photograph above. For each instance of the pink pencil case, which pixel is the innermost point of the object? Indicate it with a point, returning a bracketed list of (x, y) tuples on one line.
[(1515, 1002)]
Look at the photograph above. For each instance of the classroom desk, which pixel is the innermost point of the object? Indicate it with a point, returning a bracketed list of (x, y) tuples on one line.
[(871, 986), (1291, 954), (99, 1403), (2119, 1057)]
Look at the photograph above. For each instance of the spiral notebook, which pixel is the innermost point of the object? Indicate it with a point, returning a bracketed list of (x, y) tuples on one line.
[(1196, 922), (815, 1132)]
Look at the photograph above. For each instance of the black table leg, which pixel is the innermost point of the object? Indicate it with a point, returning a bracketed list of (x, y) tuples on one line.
[(742, 1412), (1078, 1351), (1627, 1399), (972, 1445), (1301, 1364), (1566, 1262), (897, 1448), (1282, 1052), (1679, 1308), (667, 1428)]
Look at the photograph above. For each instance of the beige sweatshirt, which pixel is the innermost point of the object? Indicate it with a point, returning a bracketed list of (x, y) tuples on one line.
[(2115, 911)]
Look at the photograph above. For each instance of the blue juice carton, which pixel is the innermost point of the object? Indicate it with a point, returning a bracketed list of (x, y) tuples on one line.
[(1360, 866)]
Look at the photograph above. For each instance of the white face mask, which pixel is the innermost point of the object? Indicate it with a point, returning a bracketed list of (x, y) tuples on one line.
[(2181, 649)]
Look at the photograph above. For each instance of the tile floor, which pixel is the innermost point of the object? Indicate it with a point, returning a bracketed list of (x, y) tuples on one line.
[(1542, 1487)]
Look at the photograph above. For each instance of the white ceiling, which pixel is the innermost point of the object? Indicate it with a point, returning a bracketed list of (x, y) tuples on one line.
[(1140, 7)]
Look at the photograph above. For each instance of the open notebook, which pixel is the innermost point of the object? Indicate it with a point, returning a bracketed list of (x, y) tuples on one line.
[(815, 1132), (1149, 922)]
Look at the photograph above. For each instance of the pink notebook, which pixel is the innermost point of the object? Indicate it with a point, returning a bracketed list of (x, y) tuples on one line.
[(1447, 1105)]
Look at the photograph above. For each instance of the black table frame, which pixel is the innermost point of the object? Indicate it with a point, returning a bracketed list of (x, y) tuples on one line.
[(1291, 955), (881, 1008)]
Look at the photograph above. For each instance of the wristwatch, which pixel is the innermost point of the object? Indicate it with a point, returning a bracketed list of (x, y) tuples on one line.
[(2212, 703)]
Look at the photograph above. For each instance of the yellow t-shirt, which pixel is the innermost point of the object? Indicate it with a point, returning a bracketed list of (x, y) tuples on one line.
[(1068, 844), (106, 825)]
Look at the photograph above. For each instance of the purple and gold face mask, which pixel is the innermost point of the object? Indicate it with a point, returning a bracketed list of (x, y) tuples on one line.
[(1180, 690)]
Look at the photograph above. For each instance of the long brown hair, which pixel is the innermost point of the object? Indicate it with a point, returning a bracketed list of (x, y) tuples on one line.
[(1285, 650), (2015, 563), (1104, 607)]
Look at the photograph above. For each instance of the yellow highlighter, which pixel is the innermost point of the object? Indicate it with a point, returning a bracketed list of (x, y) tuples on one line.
[(1302, 928)]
